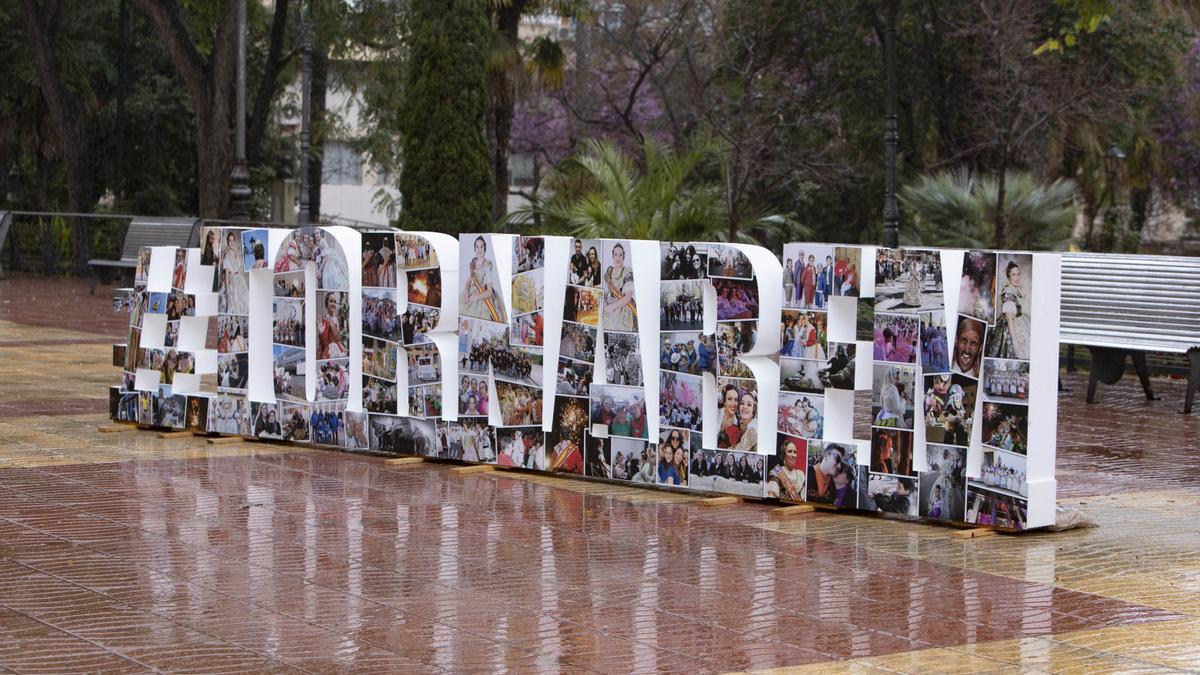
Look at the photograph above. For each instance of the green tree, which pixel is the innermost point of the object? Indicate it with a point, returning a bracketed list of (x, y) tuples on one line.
[(954, 208), (445, 182), (604, 192)]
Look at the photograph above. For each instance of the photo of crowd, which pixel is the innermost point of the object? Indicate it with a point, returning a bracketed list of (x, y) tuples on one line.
[(803, 334), (681, 305), (908, 280), (727, 261), (379, 317), (620, 306), (287, 326), (519, 405), (943, 487), (728, 472), (935, 351), (232, 333), (578, 342), (683, 260), (832, 474), (379, 260), (622, 359), (894, 389), (809, 276), (786, 470), (323, 249), (229, 415), (736, 299), (977, 289), (737, 414), (327, 422), (895, 338), (621, 410), (949, 408), (990, 507), (168, 408), (680, 398), (1005, 381), (1004, 472), (523, 447), (634, 461), (690, 352), (801, 415), (892, 451), (415, 251)]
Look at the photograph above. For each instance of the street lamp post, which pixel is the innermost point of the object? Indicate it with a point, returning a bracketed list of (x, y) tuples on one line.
[(305, 139), (1113, 159), (891, 133), (239, 176)]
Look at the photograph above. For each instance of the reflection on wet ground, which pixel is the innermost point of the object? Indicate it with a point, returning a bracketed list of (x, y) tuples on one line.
[(123, 551)]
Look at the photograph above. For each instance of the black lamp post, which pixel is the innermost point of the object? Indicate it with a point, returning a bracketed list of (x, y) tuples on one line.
[(891, 133), (305, 140), (239, 176)]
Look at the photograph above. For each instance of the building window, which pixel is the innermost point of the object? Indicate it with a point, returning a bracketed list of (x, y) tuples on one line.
[(342, 165)]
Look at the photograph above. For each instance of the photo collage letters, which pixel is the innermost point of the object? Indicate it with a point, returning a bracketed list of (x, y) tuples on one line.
[(965, 374)]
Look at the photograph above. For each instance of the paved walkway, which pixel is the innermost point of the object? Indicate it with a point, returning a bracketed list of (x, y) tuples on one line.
[(126, 552)]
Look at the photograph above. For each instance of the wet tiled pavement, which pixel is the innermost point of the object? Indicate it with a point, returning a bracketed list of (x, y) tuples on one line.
[(126, 552)]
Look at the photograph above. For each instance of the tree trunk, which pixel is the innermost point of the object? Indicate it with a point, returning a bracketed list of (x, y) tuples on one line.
[(1001, 217), (316, 154), (118, 165), (508, 22), (67, 116), (259, 114)]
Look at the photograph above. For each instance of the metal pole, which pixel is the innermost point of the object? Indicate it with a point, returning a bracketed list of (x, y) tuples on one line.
[(306, 69), (891, 133), (239, 177)]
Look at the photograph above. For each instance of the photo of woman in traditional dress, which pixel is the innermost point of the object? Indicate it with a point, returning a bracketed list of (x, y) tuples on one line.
[(234, 295), (786, 472), (480, 295), (620, 310), (333, 328), (1011, 337)]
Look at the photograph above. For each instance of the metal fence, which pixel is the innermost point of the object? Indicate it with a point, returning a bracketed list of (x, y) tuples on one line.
[(58, 244)]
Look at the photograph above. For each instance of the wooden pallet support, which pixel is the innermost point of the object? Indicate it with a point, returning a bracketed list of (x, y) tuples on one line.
[(474, 468), (795, 510), (116, 428), (222, 440), (973, 533), (404, 461), (710, 502), (175, 434)]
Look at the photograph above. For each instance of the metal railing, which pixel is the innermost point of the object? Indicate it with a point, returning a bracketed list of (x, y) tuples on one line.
[(58, 244)]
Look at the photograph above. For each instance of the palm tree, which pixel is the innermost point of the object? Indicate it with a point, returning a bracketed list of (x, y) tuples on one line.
[(956, 209), (603, 193)]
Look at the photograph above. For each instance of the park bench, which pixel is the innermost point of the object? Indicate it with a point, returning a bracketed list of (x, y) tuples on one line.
[(1127, 305), (145, 231)]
